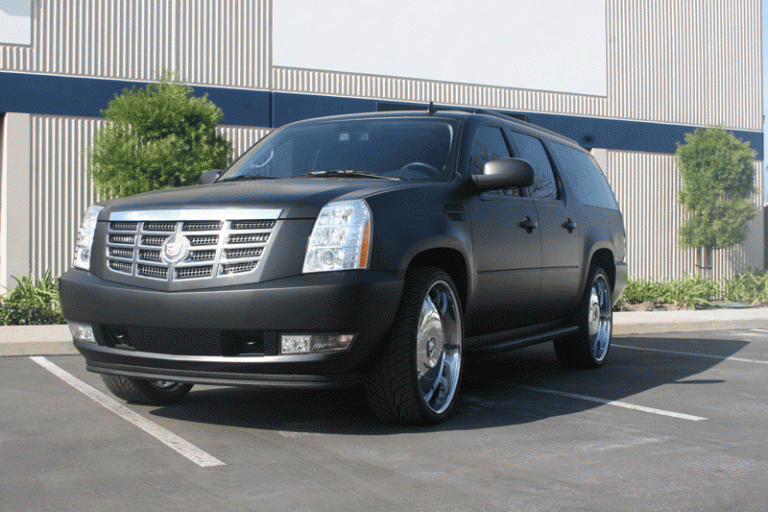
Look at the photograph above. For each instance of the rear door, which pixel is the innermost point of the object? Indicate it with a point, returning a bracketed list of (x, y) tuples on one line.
[(560, 248)]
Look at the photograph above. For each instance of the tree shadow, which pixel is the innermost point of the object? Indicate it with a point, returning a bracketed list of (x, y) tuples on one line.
[(496, 391)]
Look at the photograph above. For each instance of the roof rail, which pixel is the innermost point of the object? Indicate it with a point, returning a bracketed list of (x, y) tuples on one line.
[(383, 106)]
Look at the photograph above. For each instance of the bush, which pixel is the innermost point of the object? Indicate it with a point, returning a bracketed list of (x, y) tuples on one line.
[(750, 288), (692, 291), (32, 302), (157, 137), (25, 314)]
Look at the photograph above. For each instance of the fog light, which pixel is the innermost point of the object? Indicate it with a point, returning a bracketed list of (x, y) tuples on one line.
[(308, 343), (82, 332)]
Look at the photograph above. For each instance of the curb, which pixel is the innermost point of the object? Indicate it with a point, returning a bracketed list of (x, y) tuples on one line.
[(657, 322), (36, 340)]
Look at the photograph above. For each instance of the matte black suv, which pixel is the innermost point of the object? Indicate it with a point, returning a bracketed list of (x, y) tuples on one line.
[(373, 248)]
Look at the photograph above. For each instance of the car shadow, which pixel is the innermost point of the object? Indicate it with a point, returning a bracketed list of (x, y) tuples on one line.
[(500, 390)]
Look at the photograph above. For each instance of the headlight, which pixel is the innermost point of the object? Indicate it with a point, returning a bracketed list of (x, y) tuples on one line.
[(341, 238), (85, 238)]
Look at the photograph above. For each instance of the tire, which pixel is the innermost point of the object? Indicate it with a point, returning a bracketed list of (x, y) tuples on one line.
[(416, 379), (589, 347), (145, 391)]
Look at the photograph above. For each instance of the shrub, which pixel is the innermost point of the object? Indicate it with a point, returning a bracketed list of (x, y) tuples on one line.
[(25, 314), (32, 302), (157, 137)]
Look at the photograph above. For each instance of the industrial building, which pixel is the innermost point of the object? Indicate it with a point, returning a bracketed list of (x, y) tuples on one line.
[(624, 78)]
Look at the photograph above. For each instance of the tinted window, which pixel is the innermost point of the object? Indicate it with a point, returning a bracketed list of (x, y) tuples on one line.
[(413, 149), (585, 176), (532, 150), (489, 145)]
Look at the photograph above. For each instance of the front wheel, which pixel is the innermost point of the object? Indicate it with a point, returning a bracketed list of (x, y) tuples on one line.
[(588, 348), (149, 392), (416, 379)]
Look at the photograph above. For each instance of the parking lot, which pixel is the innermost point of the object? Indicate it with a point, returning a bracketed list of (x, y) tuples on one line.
[(672, 422)]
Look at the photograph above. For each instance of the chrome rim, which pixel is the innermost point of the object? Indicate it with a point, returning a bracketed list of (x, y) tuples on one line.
[(600, 318), (438, 347), (164, 385)]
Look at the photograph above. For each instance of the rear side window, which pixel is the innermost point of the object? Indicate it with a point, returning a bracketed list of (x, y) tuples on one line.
[(585, 176), (532, 150)]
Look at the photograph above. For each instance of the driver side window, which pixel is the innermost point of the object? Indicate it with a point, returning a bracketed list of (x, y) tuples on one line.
[(489, 144)]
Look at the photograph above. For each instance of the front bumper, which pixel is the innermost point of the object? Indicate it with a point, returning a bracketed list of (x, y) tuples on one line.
[(200, 336)]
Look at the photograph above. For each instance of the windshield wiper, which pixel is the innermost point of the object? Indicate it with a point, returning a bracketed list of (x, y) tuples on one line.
[(344, 173), (248, 177)]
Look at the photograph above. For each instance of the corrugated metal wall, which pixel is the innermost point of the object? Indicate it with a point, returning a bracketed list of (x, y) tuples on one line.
[(62, 189), (693, 62), (647, 186), (208, 42)]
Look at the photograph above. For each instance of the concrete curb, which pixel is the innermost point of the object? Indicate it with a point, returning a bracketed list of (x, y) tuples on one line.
[(650, 322), (36, 340), (55, 340)]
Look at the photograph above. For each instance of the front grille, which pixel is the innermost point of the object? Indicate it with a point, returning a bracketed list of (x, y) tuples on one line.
[(185, 250)]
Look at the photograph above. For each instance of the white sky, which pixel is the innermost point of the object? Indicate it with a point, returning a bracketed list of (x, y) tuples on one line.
[(556, 45)]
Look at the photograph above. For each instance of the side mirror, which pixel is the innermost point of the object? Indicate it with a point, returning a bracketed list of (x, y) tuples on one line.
[(209, 177), (504, 173)]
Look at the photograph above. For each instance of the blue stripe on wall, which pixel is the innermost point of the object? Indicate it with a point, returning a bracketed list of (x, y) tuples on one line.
[(75, 96)]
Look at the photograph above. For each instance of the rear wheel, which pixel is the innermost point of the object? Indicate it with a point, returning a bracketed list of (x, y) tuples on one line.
[(588, 348), (150, 392), (417, 378)]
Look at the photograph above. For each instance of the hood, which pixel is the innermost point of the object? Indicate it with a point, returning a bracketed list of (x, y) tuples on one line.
[(298, 198)]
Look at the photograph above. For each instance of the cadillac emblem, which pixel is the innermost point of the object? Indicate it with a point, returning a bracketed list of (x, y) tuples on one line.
[(175, 249)]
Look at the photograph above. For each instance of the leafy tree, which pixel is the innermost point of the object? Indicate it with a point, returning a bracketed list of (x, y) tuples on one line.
[(157, 137), (717, 191)]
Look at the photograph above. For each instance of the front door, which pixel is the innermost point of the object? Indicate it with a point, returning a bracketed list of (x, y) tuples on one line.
[(507, 253)]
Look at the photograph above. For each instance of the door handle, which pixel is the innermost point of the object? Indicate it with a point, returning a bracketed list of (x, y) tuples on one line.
[(569, 225), (529, 224)]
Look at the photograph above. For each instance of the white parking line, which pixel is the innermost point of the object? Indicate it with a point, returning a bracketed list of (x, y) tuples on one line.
[(693, 354), (163, 435), (614, 403)]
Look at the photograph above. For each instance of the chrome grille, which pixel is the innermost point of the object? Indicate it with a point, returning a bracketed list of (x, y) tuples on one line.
[(145, 245), (152, 271)]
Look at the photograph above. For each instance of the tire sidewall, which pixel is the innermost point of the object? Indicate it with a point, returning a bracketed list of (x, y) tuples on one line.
[(437, 277)]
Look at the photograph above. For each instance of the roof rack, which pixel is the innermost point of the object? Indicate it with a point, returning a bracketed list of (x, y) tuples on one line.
[(432, 108)]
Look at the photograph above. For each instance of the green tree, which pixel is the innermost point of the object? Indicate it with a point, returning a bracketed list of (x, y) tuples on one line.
[(717, 191), (156, 137)]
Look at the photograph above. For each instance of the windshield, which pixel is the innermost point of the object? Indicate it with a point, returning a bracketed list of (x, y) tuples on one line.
[(393, 148)]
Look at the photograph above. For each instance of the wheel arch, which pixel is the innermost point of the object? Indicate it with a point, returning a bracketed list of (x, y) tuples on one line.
[(603, 258), (449, 260)]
